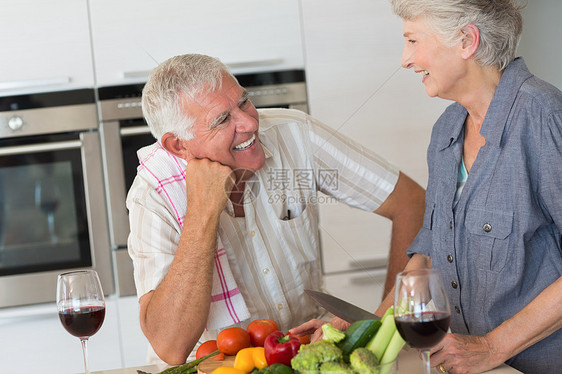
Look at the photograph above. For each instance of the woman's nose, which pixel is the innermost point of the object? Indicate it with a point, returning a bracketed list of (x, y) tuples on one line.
[(407, 59)]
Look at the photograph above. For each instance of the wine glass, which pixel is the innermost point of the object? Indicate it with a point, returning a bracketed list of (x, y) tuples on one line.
[(81, 306), (47, 198), (421, 310)]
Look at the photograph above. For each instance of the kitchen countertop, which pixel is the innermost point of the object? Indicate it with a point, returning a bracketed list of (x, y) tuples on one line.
[(408, 363)]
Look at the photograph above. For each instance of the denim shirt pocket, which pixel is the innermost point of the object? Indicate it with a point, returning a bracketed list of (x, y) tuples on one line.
[(488, 237)]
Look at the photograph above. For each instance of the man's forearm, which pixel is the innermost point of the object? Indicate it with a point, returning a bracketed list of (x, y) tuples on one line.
[(418, 261), (405, 207), (176, 312)]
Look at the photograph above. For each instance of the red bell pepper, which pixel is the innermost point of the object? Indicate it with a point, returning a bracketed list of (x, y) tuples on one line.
[(280, 348)]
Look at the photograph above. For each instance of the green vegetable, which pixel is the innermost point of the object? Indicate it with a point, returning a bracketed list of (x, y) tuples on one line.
[(380, 341), (274, 369), (332, 334), (189, 367), (358, 335), (391, 352), (335, 367), (311, 356), (363, 361)]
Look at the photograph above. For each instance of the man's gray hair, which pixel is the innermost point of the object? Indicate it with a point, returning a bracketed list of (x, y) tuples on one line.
[(169, 84), (499, 21)]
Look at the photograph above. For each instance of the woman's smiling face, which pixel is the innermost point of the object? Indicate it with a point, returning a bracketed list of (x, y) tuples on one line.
[(441, 66)]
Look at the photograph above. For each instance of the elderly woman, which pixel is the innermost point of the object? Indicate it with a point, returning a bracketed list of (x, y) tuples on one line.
[(494, 199), (493, 215)]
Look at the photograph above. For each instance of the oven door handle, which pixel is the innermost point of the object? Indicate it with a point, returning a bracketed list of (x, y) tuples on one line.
[(31, 148), (134, 130)]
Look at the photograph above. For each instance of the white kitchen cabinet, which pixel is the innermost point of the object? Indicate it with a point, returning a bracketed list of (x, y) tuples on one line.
[(45, 46), (34, 341), (131, 37), (134, 345), (357, 86), (362, 288)]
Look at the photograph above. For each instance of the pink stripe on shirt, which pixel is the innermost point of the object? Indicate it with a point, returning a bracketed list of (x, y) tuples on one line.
[(226, 293)]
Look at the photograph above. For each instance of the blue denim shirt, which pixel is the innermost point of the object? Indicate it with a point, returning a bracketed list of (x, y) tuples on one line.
[(501, 245)]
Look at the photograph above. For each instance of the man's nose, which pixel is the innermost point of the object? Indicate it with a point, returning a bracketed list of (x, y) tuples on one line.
[(245, 122)]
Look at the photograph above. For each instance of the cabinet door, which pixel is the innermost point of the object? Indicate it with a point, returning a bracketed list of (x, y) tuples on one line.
[(362, 288), (34, 341), (357, 86), (131, 37), (45, 46), (134, 343)]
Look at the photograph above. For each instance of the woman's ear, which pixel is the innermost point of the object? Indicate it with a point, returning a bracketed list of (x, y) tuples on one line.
[(175, 146), (470, 40)]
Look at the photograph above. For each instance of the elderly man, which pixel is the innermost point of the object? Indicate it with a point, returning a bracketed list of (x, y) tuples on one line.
[(216, 238)]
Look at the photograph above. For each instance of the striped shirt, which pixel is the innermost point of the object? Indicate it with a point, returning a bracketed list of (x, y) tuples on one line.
[(274, 251)]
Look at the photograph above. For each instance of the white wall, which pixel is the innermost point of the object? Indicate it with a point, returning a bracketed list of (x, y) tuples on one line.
[(540, 43)]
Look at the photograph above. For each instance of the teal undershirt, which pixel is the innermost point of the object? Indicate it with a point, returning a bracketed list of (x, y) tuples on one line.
[(461, 180)]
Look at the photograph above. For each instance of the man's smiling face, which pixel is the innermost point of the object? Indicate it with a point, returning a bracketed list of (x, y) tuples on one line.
[(226, 128)]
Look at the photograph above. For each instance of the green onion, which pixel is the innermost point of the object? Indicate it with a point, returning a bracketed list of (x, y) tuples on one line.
[(381, 340), (391, 352)]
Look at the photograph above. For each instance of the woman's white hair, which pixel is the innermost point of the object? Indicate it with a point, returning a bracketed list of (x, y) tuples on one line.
[(499, 21), (168, 86)]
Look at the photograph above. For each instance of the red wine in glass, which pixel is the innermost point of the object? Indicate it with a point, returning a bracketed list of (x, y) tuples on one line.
[(421, 310), (84, 322), (425, 331), (81, 306)]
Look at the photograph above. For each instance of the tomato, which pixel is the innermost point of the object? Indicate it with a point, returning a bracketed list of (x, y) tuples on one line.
[(260, 329), (304, 339), (205, 348), (233, 339)]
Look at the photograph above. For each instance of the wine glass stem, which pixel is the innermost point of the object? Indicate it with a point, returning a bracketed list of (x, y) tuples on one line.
[(425, 357), (85, 354), (51, 223)]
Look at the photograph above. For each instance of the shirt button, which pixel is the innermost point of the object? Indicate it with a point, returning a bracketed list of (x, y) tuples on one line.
[(252, 233), (450, 258), (457, 309), (266, 270), (279, 306), (451, 225), (487, 227), (454, 284)]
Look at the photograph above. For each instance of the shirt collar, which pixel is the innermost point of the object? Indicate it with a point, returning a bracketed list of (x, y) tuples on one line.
[(266, 150), (494, 123), (455, 116), (506, 93)]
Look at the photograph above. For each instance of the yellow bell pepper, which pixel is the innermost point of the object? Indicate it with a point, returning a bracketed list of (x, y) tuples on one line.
[(249, 358), (227, 370)]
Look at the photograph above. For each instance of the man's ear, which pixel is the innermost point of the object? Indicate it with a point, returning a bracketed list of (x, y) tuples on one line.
[(175, 146), (470, 40)]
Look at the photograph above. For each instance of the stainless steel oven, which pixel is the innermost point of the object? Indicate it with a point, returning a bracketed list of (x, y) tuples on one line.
[(123, 132), (51, 186)]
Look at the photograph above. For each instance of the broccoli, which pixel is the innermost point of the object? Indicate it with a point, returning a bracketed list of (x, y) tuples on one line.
[(363, 361), (306, 361), (334, 367), (332, 334), (311, 356)]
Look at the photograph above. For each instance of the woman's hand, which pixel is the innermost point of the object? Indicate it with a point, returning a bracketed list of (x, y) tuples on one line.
[(314, 327), (462, 354)]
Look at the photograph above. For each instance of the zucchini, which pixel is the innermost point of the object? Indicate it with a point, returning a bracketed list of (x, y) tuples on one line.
[(358, 335)]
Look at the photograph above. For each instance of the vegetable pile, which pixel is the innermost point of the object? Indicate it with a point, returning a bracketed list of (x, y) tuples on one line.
[(361, 349), (263, 349)]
